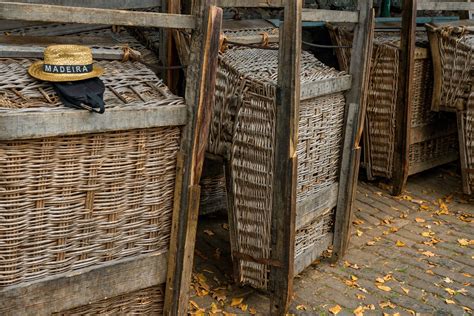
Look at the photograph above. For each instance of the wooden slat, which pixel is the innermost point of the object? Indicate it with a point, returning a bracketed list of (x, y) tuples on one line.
[(310, 255), (403, 107), (48, 40), (354, 120), (444, 6), (23, 51), (286, 160), (316, 15), (104, 4), (250, 3), (466, 187), (252, 39), (36, 124), (82, 287), (314, 206), (432, 131), (200, 87), (421, 166), (325, 87), (54, 13)]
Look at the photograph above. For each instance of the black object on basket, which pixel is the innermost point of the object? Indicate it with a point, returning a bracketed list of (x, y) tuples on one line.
[(85, 94)]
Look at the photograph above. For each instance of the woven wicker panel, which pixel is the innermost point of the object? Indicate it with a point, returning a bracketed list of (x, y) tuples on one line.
[(148, 301), (468, 117), (213, 194), (456, 66), (244, 124), (382, 99), (77, 201)]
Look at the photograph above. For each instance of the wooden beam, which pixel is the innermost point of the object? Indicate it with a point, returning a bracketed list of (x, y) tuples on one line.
[(103, 4), (444, 6), (324, 87), (23, 51), (37, 124), (311, 208), (54, 13), (286, 160), (201, 77), (404, 97), (81, 287), (49, 40), (310, 255), (333, 16), (251, 3), (354, 120)]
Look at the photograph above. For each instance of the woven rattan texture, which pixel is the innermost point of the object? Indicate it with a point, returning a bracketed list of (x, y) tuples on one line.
[(77, 201), (243, 130), (213, 194), (457, 66), (148, 301), (468, 117), (127, 84), (382, 99)]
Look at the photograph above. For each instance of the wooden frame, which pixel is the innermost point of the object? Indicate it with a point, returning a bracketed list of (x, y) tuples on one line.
[(403, 110), (81, 287)]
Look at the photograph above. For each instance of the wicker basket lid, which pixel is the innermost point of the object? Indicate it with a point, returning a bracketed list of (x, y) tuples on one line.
[(262, 64)]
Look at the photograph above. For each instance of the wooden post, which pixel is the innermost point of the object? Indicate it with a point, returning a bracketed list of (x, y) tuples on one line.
[(404, 97), (355, 120), (169, 53), (286, 139), (201, 77)]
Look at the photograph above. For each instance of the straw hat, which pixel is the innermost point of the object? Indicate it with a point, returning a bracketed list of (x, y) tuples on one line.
[(65, 63)]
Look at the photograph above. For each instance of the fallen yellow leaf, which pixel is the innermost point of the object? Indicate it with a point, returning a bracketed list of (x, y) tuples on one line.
[(384, 288), (243, 307), (387, 304), (359, 311), (252, 311), (449, 301), (400, 243), (215, 309), (370, 243), (466, 309), (426, 234), (380, 280), (301, 307), (209, 232), (429, 272), (359, 233), (405, 290), (335, 310), (420, 220), (450, 291), (463, 242), (447, 280), (428, 253), (236, 301), (360, 296), (354, 278)]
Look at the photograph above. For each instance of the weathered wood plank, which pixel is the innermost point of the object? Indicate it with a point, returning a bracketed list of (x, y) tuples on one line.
[(324, 87), (432, 131), (310, 255), (253, 39), (103, 4), (23, 51), (82, 287), (250, 3), (201, 77), (421, 166), (444, 6), (355, 121), (54, 13), (49, 40), (403, 107), (286, 160), (42, 29), (316, 15), (37, 124), (313, 207), (462, 152)]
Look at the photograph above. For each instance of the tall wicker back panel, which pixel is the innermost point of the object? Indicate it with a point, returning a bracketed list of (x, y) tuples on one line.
[(244, 128), (453, 58), (77, 201), (427, 149)]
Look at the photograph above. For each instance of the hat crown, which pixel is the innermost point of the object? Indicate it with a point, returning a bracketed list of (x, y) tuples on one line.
[(68, 55)]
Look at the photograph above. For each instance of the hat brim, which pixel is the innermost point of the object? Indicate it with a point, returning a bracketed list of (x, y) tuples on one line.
[(36, 71)]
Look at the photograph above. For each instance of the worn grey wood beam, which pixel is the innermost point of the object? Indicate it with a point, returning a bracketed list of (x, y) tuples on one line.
[(37, 124), (104, 4), (23, 51), (325, 87), (444, 6), (316, 15), (312, 208), (81, 287), (63, 14), (311, 254), (251, 3)]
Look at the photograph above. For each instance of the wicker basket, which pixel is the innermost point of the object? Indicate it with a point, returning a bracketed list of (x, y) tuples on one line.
[(76, 201), (244, 129), (144, 302), (452, 46), (427, 150)]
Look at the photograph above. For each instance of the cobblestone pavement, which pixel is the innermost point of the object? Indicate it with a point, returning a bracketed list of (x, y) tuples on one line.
[(412, 254)]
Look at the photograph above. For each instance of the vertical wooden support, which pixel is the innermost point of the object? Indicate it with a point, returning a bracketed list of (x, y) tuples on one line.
[(404, 97), (286, 139), (168, 51), (201, 77), (355, 120)]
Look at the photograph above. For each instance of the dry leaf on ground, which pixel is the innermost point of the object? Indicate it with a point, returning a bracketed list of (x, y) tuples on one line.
[(335, 310)]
